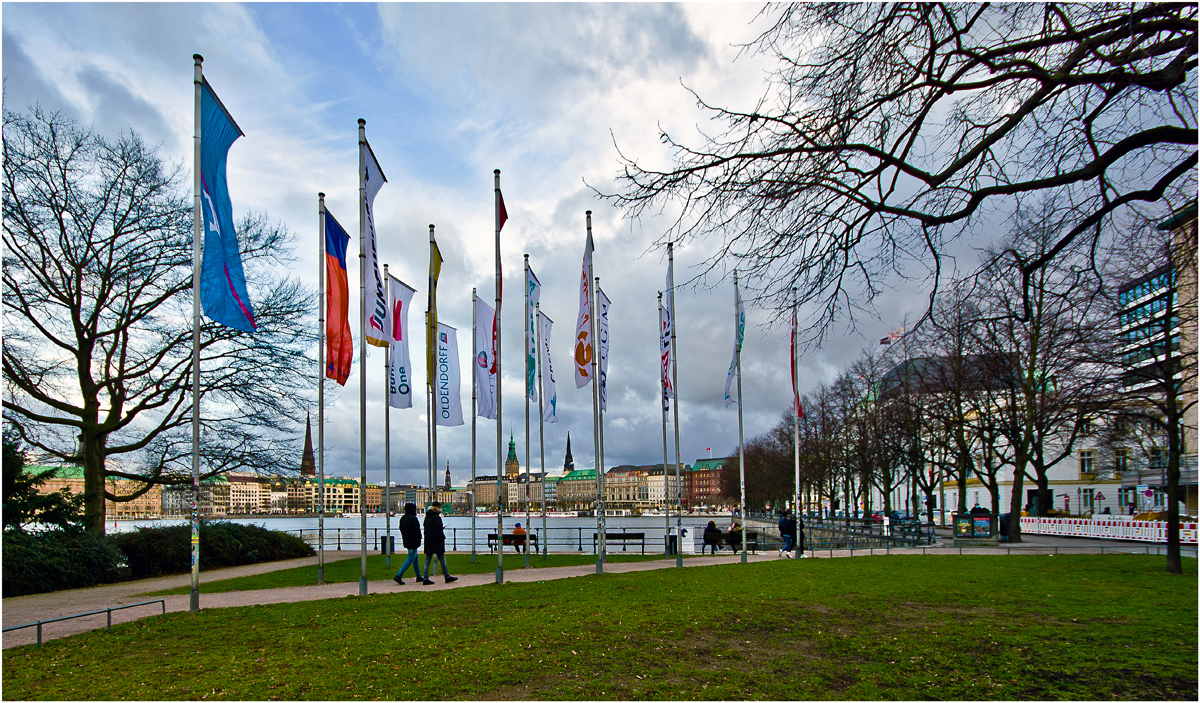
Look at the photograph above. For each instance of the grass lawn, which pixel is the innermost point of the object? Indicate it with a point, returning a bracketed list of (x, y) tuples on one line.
[(898, 627), (350, 570)]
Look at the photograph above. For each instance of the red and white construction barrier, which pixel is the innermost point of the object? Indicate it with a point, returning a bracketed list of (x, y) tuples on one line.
[(1136, 530)]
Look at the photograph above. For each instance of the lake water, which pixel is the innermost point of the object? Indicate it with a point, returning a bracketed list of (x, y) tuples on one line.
[(566, 534)]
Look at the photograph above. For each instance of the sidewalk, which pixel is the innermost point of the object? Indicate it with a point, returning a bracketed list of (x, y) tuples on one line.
[(27, 609)]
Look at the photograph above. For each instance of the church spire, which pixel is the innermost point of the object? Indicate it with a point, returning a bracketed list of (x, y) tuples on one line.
[(308, 464), (512, 467), (447, 474), (569, 462)]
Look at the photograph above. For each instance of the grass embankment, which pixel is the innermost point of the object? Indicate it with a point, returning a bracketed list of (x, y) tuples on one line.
[(911, 627), (350, 570)]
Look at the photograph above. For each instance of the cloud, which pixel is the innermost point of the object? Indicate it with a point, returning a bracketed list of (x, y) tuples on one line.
[(451, 92)]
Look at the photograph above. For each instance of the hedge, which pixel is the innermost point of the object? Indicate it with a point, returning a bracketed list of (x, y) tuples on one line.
[(54, 560)]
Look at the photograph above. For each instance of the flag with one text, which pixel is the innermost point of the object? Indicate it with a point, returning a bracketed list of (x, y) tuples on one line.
[(400, 296)]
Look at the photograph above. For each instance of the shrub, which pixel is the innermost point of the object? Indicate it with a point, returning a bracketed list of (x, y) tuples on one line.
[(37, 562), (155, 551)]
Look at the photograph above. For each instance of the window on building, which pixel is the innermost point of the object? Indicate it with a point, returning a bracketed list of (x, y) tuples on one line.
[(1120, 460), (1158, 459), (1087, 461)]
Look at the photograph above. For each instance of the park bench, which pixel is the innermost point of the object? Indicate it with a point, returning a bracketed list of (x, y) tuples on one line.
[(511, 540), (751, 541), (623, 537)]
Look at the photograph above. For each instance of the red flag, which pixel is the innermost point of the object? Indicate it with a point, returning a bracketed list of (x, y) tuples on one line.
[(340, 352), (503, 212), (501, 217)]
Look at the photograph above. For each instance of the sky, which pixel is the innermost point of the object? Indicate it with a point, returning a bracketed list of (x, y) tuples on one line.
[(544, 92)]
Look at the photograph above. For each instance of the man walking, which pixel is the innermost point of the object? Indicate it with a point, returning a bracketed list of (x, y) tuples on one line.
[(435, 542), (410, 533), (786, 534)]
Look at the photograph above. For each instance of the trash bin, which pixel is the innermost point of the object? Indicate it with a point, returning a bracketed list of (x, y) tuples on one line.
[(672, 545), (387, 544)]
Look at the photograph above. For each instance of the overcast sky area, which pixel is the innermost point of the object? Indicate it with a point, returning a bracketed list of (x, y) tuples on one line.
[(451, 92)]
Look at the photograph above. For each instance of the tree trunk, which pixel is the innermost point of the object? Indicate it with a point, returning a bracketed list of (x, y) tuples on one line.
[(1174, 444), (1015, 504), (92, 452)]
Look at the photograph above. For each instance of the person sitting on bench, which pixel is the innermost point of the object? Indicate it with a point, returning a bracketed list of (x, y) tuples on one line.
[(519, 537), (712, 537), (735, 537)]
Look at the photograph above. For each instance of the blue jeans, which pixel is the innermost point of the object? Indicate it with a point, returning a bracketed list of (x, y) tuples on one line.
[(412, 561), (441, 557), (787, 543)]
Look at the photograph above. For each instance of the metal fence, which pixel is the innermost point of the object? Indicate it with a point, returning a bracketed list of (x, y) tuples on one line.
[(108, 611)]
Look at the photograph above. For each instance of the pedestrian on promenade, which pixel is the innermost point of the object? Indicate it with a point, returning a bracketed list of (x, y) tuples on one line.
[(712, 537), (518, 537), (785, 531), (410, 534), (435, 542)]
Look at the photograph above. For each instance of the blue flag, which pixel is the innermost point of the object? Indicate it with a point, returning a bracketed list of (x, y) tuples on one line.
[(222, 283)]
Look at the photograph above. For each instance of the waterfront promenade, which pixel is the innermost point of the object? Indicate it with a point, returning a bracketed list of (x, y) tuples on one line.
[(26, 609)]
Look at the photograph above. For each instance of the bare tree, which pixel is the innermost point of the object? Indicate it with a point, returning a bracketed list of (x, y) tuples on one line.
[(1151, 353), (97, 315), (1054, 388), (890, 130)]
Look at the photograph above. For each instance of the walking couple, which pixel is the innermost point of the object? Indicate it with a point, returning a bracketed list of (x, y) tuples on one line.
[(435, 542)]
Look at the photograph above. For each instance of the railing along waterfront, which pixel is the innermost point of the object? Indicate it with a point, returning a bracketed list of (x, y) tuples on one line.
[(558, 540)]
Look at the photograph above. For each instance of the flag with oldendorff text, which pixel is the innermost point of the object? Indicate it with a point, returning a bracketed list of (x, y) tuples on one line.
[(583, 327), (664, 352), (400, 296), (485, 378), (549, 392), (223, 293), (376, 305), (447, 391), (339, 343)]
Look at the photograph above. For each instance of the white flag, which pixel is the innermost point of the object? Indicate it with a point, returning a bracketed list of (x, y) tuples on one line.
[(535, 294), (583, 328), (549, 394), (375, 317), (447, 393), (737, 346), (602, 318), (485, 380), (399, 364)]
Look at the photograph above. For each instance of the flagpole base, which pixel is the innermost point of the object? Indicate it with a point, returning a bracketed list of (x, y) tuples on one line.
[(499, 575), (678, 560), (195, 601), (362, 587)]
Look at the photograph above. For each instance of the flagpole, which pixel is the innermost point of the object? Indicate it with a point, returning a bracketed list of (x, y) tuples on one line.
[(387, 444), (433, 325), (474, 409), (527, 379), (665, 405), (592, 332), (537, 315), (362, 352), (737, 321), (499, 420), (675, 409), (197, 238), (795, 423), (600, 417), (321, 391), (428, 393)]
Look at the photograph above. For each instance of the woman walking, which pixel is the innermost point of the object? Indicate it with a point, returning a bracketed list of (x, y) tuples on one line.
[(410, 534)]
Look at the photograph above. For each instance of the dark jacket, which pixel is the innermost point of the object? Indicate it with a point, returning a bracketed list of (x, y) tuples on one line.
[(435, 535), (712, 534), (410, 529), (788, 527)]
